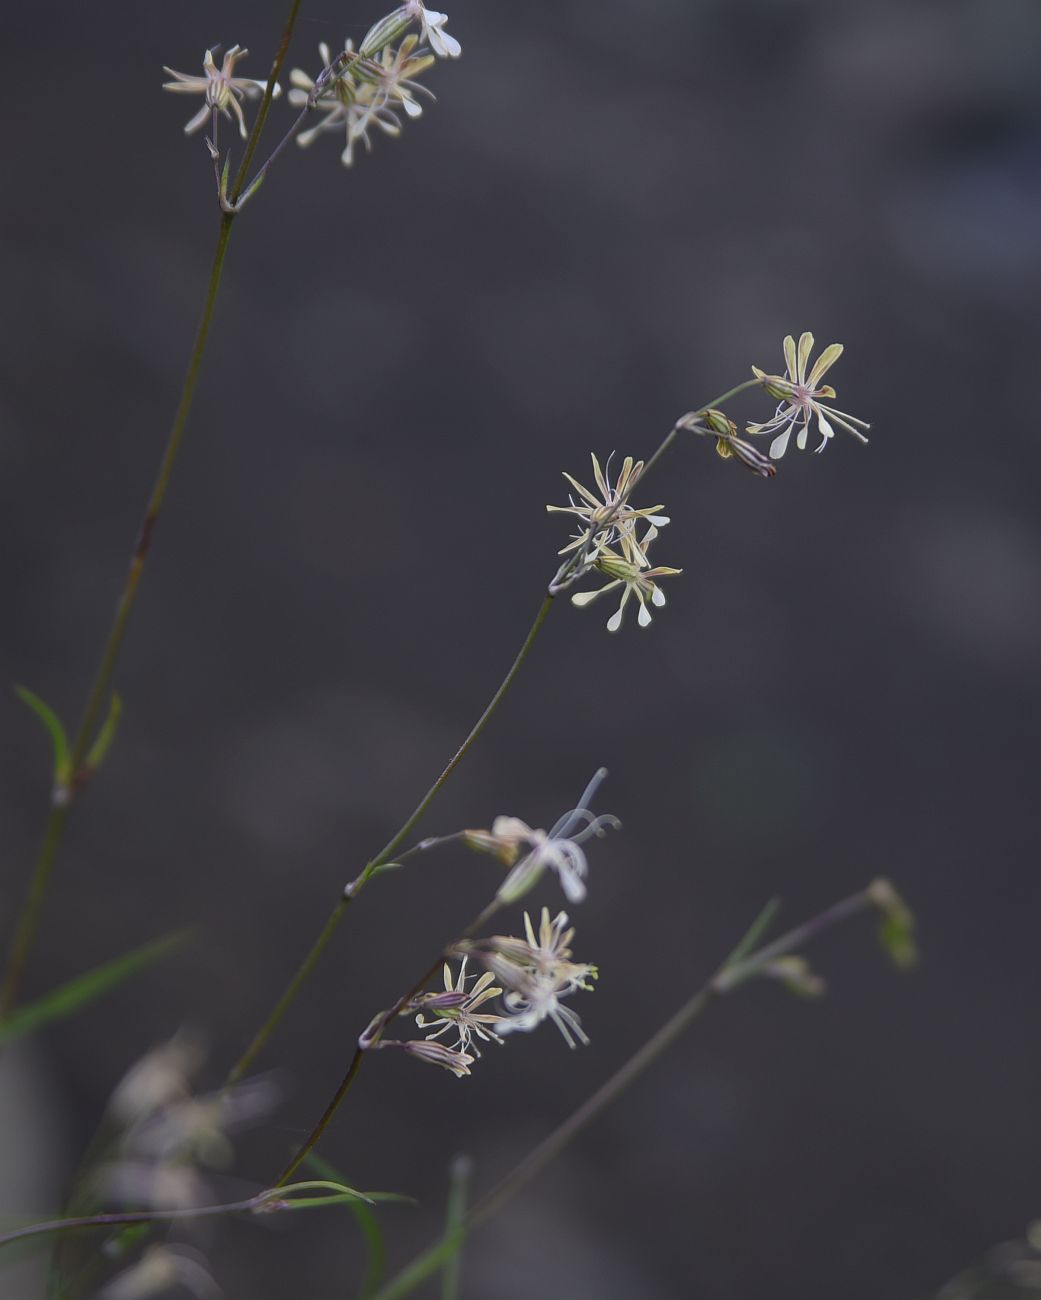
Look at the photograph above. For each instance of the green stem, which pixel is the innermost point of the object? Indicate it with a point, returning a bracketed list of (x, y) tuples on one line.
[(735, 971), (291, 990), (239, 183), (29, 918), (31, 910), (384, 856)]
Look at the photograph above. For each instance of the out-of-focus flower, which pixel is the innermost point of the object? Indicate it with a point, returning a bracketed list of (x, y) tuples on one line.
[(221, 87), (162, 1076), (628, 570), (153, 1183), (363, 95), (433, 25), (559, 848), (197, 1128), (537, 973), (799, 392), (160, 1269), (610, 516), (457, 1009)]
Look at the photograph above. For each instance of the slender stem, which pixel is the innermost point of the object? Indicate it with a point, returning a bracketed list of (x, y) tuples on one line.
[(729, 976), (455, 1214), (387, 852), (291, 990), (30, 915), (239, 183), (385, 855), (134, 1216)]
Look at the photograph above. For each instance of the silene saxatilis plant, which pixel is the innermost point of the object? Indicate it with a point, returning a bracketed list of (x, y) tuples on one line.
[(133, 1220)]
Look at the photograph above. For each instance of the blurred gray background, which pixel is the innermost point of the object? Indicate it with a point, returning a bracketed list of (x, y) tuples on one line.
[(613, 210)]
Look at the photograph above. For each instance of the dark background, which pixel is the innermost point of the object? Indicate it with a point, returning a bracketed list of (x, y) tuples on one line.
[(614, 209)]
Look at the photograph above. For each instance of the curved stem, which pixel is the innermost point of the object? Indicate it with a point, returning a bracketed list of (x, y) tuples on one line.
[(42, 871), (133, 1216), (384, 856)]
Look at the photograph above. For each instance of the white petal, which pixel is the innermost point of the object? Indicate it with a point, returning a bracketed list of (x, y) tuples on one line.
[(780, 444), (658, 597), (644, 616), (615, 621), (800, 441)]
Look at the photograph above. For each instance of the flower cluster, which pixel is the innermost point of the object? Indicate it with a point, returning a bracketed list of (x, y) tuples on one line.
[(537, 973), (611, 542), (366, 95), (355, 91), (168, 1133), (799, 391)]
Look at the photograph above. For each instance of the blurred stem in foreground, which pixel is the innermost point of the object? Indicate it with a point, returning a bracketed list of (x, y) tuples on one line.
[(561, 581), (742, 965), (29, 918)]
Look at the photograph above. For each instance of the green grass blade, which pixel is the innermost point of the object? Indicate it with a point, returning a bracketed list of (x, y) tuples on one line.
[(69, 998), (59, 741), (459, 1182), (376, 1257)]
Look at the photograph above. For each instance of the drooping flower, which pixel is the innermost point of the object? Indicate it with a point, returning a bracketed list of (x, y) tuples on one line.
[(799, 392), (222, 89), (536, 972), (363, 95), (629, 570), (457, 1009), (610, 516), (715, 423), (435, 1054), (559, 849), (433, 25)]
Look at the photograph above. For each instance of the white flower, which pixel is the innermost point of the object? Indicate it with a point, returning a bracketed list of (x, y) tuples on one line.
[(537, 973), (630, 571), (364, 95), (222, 89), (458, 1008), (432, 23), (610, 516), (799, 395), (559, 848), (161, 1269)]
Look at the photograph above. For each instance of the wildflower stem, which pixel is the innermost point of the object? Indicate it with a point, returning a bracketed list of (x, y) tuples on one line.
[(30, 915), (134, 1216), (29, 918), (368, 1041), (735, 971), (384, 856), (239, 183)]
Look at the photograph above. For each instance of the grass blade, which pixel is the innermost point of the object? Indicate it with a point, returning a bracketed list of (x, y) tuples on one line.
[(69, 998)]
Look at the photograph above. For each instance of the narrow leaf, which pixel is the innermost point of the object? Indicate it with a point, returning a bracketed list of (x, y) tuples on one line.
[(459, 1181), (59, 741), (103, 741), (375, 1263), (78, 992), (754, 934)]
